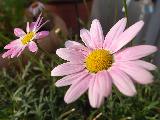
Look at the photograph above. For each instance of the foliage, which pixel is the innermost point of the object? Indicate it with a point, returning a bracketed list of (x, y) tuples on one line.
[(30, 93)]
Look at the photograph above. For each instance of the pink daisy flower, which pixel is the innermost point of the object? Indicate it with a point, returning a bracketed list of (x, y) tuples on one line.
[(36, 8), (15, 48), (98, 64)]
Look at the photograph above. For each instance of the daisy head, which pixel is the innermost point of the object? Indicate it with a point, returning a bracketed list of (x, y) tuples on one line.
[(16, 47), (102, 62), (36, 8)]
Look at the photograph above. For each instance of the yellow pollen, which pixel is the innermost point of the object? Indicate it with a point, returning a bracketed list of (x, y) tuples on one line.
[(98, 60), (28, 37)]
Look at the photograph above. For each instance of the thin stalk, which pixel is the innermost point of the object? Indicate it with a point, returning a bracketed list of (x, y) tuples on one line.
[(126, 15), (98, 116), (86, 6), (66, 113), (125, 10)]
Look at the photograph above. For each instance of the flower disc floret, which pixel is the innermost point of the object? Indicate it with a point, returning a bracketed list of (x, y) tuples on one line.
[(28, 37), (98, 60)]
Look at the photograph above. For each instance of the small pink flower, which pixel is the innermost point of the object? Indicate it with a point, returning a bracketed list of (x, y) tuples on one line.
[(15, 48), (98, 64), (36, 8)]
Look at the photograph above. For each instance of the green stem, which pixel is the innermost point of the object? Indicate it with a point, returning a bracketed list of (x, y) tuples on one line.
[(126, 15), (125, 10), (86, 6), (66, 113)]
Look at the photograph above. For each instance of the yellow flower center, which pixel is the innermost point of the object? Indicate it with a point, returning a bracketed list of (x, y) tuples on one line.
[(28, 37), (98, 60)]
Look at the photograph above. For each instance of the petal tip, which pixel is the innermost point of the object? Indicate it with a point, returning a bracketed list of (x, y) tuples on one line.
[(83, 31), (95, 105), (133, 93), (124, 19), (148, 82), (4, 56), (141, 23), (155, 48), (95, 20), (53, 73), (57, 84), (58, 51), (152, 48), (66, 100)]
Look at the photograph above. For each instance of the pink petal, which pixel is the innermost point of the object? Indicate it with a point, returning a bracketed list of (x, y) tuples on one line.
[(15, 52), (13, 44), (69, 79), (126, 36), (114, 33), (105, 83), (20, 52), (142, 64), (96, 98), (137, 73), (37, 22), (136, 52), (27, 27), (8, 53), (19, 32), (66, 69), (41, 34), (73, 44), (122, 82), (31, 26), (97, 33), (78, 47), (70, 55), (77, 89), (145, 65), (32, 46), (13, 47), (86, 38)]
